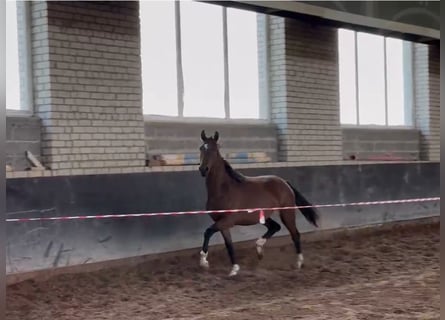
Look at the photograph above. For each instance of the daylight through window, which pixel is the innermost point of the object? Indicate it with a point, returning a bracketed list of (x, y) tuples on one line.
[(12, 58), (372, 79), (199, 60)]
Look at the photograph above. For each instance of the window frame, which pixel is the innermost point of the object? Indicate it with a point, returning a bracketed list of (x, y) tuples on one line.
[(408, 86), (25, 63), (264, 98)]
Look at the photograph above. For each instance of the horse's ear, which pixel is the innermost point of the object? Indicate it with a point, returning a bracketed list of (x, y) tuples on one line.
[(216, 136), (203, 135)]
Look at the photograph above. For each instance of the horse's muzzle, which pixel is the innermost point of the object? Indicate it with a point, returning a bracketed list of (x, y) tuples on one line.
[(203, 171)]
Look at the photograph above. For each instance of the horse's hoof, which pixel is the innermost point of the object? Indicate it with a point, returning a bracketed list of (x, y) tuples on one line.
[(300, 261), (260, 252), (259, 248), (234, 270), (203, 260)]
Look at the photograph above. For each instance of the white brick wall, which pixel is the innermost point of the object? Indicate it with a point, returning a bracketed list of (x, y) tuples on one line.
[(427, 99), (87, 88), (277, 83), (434, 78), (86, 64), (304, 90)]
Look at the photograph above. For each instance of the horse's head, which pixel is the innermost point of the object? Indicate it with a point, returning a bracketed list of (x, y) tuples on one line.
[(209, 152)]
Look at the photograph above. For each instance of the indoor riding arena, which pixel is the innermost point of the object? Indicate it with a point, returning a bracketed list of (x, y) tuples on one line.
[(137, 132)]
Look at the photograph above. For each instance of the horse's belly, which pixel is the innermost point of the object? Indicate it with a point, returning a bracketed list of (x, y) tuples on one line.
[(257, 199), (250, 218), (262, 192)]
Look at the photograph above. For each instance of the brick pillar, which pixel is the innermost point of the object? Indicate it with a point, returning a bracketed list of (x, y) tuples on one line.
[(277, 81), (427, 99), (87, 85), (304, 90)]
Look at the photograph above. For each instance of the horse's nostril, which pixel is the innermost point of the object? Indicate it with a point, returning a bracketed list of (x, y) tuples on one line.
[(203, 170)]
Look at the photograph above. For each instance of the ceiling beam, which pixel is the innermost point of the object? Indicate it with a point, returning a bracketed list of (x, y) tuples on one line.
[(338, 18)]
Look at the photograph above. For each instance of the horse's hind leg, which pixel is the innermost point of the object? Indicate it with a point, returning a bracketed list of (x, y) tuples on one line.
[(272, 228), (288, 218)]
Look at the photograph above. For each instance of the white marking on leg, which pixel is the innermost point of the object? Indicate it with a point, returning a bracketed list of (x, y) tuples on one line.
[(300, 260), (261, 241), (234, 271), (259, 245), (203, 260)]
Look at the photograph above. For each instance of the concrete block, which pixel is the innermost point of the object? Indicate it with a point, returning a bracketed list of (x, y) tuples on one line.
[(18, 148), (23, 128), (16, 163), (387, 156), (396, 146)]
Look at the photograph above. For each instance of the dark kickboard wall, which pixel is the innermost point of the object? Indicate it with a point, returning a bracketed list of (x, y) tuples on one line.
[(42, 245)]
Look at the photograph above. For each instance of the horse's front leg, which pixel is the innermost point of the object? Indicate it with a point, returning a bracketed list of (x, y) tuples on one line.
[(223, 226), (230, 251), (210, 231)]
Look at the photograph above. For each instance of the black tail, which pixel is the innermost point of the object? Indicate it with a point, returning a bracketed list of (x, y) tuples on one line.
[(309, 213)]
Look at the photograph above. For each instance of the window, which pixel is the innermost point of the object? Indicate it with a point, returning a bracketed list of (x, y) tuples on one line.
[(159, 72), (18, 57), (202, 59), (12, 58), (373, 87), (204, 63), (243, 63)]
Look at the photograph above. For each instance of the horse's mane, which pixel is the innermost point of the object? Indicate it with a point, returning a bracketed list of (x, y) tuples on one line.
[(238, 177)]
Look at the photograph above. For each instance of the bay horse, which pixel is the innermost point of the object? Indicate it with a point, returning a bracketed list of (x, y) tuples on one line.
[(228, 189)]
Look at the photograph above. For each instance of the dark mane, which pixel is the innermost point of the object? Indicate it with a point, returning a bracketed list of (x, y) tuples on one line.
[(238, 177)]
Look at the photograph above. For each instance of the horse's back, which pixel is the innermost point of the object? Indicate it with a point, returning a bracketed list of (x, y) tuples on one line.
[(267, 179), (266, 190)]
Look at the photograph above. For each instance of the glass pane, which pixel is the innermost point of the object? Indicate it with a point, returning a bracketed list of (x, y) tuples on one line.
[(158, 55), (202, 59), (243, 64), (371, 79), (347, 85), (395, 78), (12, 58)]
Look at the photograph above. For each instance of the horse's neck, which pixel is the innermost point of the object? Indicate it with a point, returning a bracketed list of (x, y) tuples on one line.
[(217, 178)]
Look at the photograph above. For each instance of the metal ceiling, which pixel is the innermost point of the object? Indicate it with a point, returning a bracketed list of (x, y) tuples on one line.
[(417, 21)]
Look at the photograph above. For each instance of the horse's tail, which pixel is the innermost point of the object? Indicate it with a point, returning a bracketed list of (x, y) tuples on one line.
[(309, 213)]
